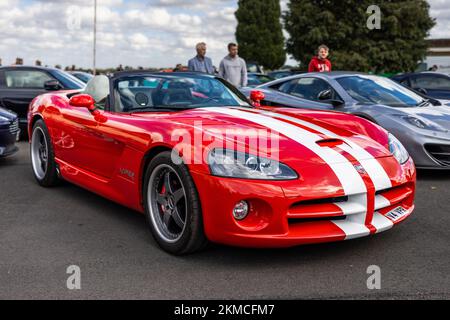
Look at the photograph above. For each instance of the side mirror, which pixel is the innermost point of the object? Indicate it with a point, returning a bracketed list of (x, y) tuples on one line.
[(337, 103), (325, 95), (52, 85), (256, 97), (83, 101)]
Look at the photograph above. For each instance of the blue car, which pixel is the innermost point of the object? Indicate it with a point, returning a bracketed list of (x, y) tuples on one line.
[(9, 133), (432, 84)]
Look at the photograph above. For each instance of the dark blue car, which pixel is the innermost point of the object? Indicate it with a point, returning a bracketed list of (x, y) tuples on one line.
[(19, 85), (9, 132), (432, 84)]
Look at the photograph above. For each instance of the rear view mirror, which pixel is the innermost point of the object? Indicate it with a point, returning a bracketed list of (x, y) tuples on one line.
[(52, 85)]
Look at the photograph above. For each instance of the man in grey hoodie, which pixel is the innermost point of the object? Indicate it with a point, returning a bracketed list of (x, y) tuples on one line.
[(233, 68)]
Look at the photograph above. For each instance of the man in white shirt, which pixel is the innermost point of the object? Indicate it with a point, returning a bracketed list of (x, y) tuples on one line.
[(233, 68)]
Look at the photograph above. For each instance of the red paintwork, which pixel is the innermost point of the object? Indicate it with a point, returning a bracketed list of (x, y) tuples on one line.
[(83, 101), (91, 149)]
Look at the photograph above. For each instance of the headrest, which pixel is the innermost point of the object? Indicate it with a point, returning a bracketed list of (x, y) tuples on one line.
[(98, 88), (179, 85)]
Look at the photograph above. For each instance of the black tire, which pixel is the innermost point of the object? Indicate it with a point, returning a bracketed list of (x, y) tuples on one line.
[(46, 174), (192, 237)]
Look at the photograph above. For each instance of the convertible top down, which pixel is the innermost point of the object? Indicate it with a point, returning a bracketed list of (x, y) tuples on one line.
[(192, 153)]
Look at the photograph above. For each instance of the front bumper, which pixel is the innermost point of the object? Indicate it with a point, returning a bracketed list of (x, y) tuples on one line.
[(422, 149), (279, 219), (9, 134)]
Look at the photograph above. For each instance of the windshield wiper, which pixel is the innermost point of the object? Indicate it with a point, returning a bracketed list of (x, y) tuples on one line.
[(423, 103)]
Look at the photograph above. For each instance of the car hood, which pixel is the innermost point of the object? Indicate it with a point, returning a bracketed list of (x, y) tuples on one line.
[(298, 135), (437, 114)]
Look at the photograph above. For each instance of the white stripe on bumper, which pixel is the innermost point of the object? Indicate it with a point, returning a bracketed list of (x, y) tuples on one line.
[(381, 223)]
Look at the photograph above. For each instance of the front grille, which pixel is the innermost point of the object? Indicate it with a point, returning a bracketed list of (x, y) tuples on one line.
[(340, 208), (328, 208), (305, 220), (393, 197), (14, 126), (441, 153)]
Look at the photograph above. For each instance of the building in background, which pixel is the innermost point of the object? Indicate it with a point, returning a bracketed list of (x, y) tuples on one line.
[(438, 55)]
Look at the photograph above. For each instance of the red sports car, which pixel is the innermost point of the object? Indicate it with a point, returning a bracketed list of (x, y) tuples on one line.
[(204, 164)]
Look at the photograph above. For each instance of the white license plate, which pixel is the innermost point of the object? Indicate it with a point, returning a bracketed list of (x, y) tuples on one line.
[(397, 213)]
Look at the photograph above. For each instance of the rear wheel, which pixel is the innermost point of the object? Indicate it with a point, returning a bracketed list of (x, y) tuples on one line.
[(172, 206), (42, 156)]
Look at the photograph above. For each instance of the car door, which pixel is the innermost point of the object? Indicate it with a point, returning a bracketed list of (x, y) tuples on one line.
[(303, 93), (19, 87), (436, 85), (81, 137)]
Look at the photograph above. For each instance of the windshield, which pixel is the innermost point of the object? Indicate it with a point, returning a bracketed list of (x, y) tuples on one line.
[(85, 77), (378, 90), (152, 92), (68, 80), (256, 79)]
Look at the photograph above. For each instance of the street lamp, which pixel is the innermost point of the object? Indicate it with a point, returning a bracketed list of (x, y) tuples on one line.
[(95, 37)]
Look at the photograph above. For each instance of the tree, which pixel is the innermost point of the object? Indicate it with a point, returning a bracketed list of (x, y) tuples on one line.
[(259, 32), (398, 46)]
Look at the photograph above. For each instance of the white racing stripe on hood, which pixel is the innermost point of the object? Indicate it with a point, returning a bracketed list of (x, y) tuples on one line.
[(351, 181), (374, 169)]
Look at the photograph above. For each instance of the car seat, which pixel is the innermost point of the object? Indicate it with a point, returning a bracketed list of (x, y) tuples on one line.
[(178, 93)]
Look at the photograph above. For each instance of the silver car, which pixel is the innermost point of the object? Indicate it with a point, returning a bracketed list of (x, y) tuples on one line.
[(422, 125)]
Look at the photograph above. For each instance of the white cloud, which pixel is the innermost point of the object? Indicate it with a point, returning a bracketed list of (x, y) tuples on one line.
[(147, 33)]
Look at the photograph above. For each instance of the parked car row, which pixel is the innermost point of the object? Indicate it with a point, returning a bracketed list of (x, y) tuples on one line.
[(333, 174), (420, 123)]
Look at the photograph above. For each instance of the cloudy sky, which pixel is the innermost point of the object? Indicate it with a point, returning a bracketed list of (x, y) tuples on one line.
[(157, 33)]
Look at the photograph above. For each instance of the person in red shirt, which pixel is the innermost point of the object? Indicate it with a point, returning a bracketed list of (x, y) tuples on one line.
[(320, 63)]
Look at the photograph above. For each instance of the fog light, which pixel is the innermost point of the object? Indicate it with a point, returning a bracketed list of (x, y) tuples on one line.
[(240, 211)]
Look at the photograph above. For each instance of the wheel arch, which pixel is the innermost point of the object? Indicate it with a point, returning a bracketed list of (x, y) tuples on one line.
[(148, 157), (367, 117), (32, 122)]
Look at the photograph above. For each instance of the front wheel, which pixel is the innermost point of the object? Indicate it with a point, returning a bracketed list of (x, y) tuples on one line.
[(42, 156), (172, 206)]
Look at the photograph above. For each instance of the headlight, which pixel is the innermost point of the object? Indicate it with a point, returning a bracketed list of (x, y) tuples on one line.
[(397, 149), (233, 164), (422, 123)]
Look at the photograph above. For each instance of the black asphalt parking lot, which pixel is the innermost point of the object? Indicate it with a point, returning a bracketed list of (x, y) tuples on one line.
[(44, 231)]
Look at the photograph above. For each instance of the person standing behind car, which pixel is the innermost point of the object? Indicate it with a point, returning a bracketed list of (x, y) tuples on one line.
[(201, 63), (320, 63), (233, 68)]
